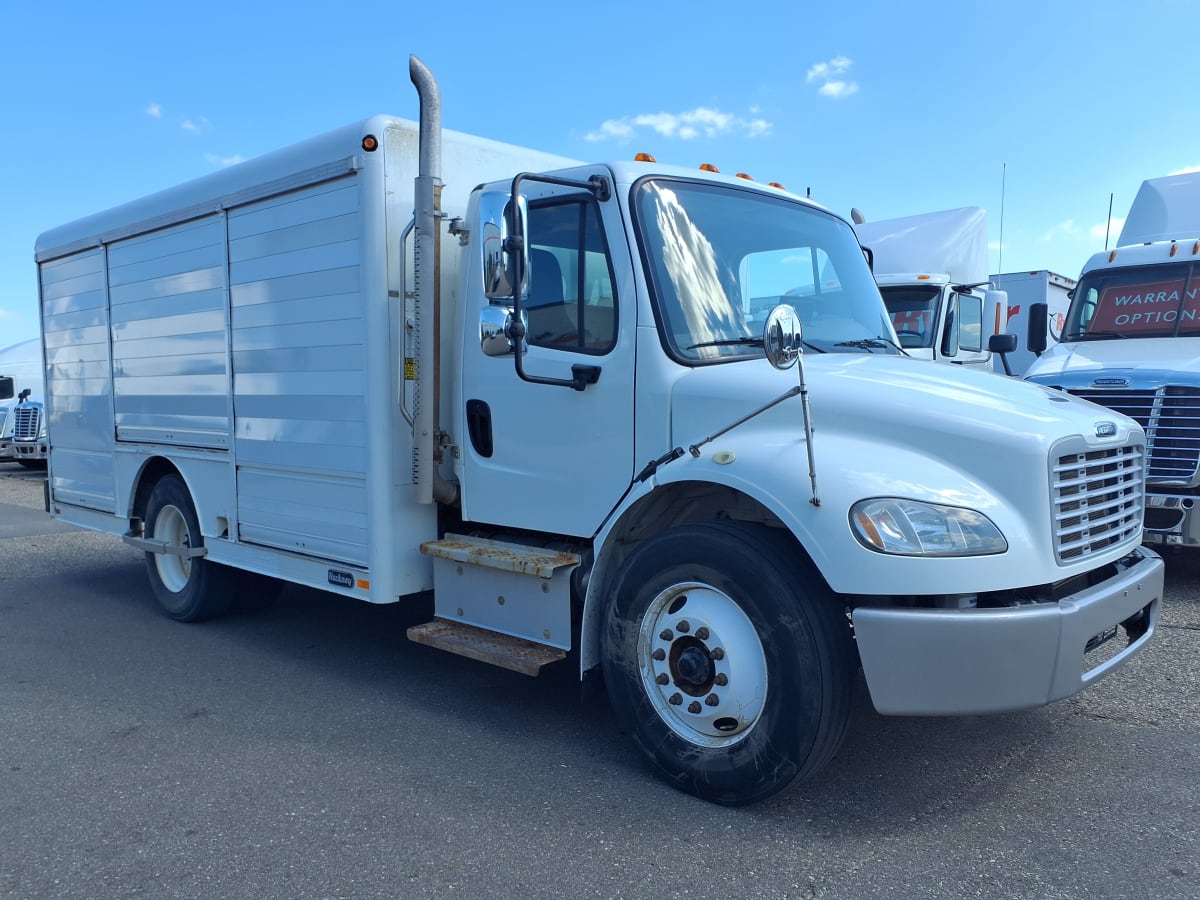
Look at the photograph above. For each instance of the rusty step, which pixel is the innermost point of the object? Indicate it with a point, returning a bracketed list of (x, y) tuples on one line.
[(513, 653)]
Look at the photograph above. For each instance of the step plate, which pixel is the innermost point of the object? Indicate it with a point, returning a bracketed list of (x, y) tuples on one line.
[(515, 654)]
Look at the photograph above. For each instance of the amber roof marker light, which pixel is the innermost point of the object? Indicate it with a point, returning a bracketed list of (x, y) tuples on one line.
[(370, 143)]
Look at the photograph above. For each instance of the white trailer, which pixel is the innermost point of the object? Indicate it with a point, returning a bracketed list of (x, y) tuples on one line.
[(569, 401), (931, 269), (1131, 342), (1025, 291)]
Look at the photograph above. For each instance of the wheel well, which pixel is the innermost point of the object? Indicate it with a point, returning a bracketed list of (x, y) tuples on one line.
[(153, 470), (679, 503)]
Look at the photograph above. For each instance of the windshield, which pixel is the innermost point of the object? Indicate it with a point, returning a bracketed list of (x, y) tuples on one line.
[(1135, 302), (720, 259), (913, 311)]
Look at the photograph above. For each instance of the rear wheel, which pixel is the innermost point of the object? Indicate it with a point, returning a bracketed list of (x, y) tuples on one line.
[(188, 588), (728, 660)]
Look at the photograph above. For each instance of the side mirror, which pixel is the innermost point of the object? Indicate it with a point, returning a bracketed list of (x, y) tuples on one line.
[(950, 327), (1002, 343), (6, 387), (1035, 338), (503, 271), (782, 337), (496, 331)]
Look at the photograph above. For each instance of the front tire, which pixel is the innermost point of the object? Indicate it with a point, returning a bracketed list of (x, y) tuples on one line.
[(728, 659), (188, 588)]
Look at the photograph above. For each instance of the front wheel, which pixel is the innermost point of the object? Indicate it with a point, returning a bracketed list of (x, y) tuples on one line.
[(188, 588), (729, 660)]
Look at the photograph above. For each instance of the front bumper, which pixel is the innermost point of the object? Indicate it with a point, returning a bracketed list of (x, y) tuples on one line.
[(30, 450), (931, 662), (1171, 520)]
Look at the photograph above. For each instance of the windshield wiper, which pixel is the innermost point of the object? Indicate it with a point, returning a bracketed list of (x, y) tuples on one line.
[(1089, 335), (870, 344), (730, 342), (749, 342)]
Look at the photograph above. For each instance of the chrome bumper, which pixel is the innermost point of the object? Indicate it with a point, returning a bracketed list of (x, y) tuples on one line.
[(930, 662), (1172, 520)]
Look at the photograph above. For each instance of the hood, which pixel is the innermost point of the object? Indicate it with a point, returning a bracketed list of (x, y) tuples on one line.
[(1144, 362), (943, 411)]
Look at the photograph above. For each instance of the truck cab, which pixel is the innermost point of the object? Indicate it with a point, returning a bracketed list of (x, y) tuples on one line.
[(931, 269), (1131, 342)]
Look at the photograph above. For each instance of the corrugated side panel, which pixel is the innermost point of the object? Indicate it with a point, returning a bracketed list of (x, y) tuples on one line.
[(78, 386), (170, 373), (299, 372)]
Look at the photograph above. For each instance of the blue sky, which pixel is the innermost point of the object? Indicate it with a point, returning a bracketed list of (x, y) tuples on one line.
[(895, 108)]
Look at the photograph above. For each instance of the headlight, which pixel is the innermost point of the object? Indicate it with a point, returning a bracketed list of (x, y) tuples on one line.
[(911, 528)]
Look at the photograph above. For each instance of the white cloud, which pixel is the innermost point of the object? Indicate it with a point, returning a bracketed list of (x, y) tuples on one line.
[(1063, 230), (1114, 227), (1186, 170), (197, 125), (154, 111), (224, 160), (824, 71), (687, 126), (833, 86), (838, 90)]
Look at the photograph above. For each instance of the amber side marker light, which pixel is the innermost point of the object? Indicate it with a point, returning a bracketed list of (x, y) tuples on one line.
[(1112, 256), (776, 184), (709, 167), (370, 143), (644, 157), (744, 175), (1174, 247)]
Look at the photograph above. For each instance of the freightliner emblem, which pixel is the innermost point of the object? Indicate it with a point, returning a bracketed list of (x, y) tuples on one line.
[(1105, 429), (1110, 382)]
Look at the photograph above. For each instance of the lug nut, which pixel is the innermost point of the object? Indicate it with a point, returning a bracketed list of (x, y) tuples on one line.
[(694, 707), (717, 653), (662, 678), (667, 634), (683, 626), (675, 699), (712, 699), (702, 633), (660, 654), (721, 679)]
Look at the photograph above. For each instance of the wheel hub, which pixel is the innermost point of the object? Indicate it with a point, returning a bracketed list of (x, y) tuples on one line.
[(702, 663)]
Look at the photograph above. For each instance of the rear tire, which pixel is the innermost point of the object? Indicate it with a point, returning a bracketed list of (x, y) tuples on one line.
[(729, 660), (188, 588)]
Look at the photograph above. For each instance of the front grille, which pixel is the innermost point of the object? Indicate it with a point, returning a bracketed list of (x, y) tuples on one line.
[(1171, 417), (1097, 497), (26, 421)]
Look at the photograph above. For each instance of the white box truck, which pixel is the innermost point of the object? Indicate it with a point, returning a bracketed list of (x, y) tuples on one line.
[(1131, 342), (931, 269), (394, 359), (1025, 292)]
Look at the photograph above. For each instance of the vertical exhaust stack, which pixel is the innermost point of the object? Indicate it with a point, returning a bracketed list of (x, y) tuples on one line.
[(427, 193)]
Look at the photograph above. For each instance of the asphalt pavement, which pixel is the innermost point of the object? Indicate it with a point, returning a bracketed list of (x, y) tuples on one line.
[(311, 751)]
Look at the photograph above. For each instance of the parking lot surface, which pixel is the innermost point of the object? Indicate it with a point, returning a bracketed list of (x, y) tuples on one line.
[(310, 750)]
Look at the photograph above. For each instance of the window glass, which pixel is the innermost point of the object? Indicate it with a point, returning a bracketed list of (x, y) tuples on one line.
[(1138, 301), (970, 322), (570, 303), (913, 311), (721, 258)]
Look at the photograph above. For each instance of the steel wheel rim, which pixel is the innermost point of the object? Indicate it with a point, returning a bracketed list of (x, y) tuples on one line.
[(702, 664), (174, 570)]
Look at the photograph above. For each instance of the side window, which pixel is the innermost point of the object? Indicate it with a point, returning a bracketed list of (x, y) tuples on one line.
[(571, 303), (970, 322)]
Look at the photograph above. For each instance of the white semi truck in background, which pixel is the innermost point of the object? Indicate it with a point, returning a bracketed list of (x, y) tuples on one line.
[(1131, 342), (1026, 291), (571, 401), (932, 270), (22, 415)]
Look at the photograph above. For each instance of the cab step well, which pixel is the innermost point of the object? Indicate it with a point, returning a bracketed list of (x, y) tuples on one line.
[(512, 653), (503, 603)]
